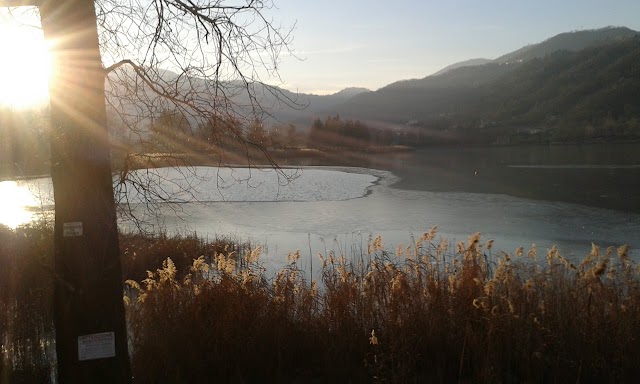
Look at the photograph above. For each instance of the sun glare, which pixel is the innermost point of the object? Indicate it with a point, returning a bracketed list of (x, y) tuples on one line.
[(24, 64), (14, 203)]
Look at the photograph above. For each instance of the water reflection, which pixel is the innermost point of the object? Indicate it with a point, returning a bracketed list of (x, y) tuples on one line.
[(16, 204)]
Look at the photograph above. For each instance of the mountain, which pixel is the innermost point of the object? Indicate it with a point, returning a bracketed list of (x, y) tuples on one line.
[(466, 63), (308, 106), (554, 87), (566, 81), (349, 92), (280, 105), (409, 100), (569, 41), (587, 94)]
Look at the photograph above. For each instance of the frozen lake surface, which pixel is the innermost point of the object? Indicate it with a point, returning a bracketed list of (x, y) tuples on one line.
[(320, 209), (214, 184)]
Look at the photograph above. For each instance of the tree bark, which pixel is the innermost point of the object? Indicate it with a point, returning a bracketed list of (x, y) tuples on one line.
[(88, 288)]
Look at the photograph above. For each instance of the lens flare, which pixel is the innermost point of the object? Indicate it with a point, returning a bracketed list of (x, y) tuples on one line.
[(24, 65)]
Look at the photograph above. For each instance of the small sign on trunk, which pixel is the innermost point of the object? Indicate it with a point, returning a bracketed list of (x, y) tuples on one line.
[(73, 229), (96, 346)]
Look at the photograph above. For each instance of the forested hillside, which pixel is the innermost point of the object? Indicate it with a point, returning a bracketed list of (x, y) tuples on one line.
[(591, 94)]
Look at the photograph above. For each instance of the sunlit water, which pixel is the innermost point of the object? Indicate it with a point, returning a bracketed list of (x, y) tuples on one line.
[(19, 202), (339, 209)]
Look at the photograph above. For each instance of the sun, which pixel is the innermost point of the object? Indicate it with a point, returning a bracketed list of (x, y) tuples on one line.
[(24, 64)]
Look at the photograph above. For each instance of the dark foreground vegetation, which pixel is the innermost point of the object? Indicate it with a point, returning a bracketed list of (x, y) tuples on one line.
[(429, 312)]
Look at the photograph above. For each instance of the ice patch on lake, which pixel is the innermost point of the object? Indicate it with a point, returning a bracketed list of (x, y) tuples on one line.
[(217, 184), (220, 184)]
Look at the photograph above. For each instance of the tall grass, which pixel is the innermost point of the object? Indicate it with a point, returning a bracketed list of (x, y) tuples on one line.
[(27, 346), (428, 312), (26, 305)]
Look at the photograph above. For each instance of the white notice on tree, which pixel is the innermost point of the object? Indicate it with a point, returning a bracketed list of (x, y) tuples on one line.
[(96, 346), (72, 229)]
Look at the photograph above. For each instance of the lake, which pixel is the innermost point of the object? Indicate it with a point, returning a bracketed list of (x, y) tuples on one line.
[(599, 175), (569, 196)]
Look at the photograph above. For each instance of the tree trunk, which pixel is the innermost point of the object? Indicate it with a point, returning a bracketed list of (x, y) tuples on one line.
[(91, 340)]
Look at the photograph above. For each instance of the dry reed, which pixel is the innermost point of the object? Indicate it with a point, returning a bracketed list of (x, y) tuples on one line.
[(428, 312)]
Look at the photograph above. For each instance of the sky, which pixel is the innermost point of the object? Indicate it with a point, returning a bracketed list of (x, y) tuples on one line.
[(372, 43)]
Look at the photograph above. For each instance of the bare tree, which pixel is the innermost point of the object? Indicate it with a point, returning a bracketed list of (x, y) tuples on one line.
[(203, 59), (213, 62)]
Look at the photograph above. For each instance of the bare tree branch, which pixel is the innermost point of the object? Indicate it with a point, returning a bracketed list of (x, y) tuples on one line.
[(204, 60)]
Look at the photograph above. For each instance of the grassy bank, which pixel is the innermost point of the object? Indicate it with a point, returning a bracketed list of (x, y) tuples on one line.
[(429, 312)]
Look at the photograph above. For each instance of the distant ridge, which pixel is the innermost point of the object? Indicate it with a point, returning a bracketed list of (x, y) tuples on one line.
[(581, 85), (460, 93), (281, 104), (350, 92), (466, 63), (569, 41)]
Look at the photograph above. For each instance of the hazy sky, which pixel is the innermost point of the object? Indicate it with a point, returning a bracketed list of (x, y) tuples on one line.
[(371, 43)]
